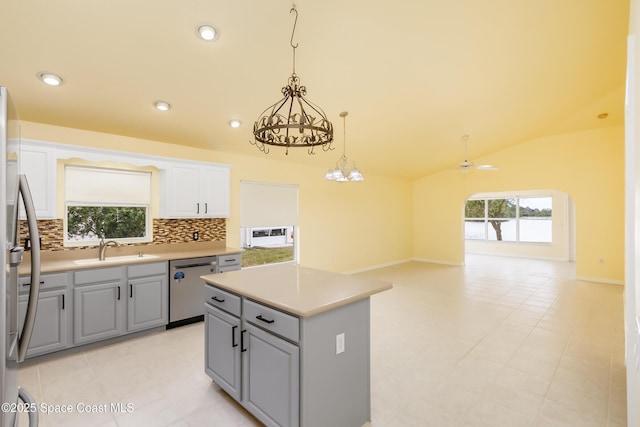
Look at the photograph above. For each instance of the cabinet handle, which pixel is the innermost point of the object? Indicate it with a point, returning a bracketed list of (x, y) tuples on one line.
[(62, 301), (29, 284), (233, 336), (242, 349), (217, 299), (206, 208), (259, 317), (118, 293), (130, 290), (197, 207)]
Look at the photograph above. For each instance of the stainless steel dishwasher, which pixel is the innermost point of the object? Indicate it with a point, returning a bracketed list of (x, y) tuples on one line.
[(186, 289)]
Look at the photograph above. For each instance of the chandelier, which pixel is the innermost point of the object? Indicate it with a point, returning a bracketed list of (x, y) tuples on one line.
[(342, 172), (293, 121)]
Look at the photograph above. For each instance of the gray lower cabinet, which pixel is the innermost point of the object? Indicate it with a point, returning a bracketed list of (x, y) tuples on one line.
[(90, 305), (222, 361), (292, 372), (270, 382), (147, 299), (109, 302), (229, 262), (98, 310), (50, 332), (52, 325), (254, 366)]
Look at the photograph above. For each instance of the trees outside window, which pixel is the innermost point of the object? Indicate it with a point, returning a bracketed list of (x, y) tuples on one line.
[(106, 203), (108, 222)]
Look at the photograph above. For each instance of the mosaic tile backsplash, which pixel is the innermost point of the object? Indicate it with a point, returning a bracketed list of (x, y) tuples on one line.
[(164, 231)]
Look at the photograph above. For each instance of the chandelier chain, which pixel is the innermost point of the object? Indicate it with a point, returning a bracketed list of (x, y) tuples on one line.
[(344, 133), (293, 31)]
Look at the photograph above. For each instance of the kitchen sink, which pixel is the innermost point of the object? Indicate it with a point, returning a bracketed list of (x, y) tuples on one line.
[(115, 259)]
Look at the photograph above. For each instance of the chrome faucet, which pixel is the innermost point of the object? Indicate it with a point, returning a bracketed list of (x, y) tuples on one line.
[(103, 247)]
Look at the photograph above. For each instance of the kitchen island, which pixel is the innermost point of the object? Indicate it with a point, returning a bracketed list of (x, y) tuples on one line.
[(291, 344)]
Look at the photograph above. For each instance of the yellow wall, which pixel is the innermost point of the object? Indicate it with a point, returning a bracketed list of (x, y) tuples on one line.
[(358, 225), (343, 227), (587, 165)]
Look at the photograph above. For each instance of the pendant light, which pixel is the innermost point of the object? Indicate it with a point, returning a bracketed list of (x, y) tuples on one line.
[(293, 121), (343, 172)]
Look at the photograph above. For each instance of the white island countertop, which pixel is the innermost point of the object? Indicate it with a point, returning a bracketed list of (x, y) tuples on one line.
[(297, 290)]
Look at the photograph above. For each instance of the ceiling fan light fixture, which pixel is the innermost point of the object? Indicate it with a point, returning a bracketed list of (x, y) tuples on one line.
[(293, 121), (466, 165)]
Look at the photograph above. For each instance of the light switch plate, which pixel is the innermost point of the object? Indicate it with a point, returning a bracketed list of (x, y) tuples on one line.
[(340, 343)]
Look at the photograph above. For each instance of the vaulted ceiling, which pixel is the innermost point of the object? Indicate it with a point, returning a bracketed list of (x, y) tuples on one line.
[(414, 76)]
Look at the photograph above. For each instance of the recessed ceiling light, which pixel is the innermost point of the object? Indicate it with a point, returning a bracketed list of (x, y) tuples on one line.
[(603, 115), (235, 123), (162, 105), (207, 32), (50, 79)]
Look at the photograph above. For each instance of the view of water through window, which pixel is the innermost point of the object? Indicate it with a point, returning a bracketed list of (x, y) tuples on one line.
[(526, 220)]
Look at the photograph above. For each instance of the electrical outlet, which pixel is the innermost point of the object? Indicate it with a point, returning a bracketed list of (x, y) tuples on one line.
[(196, 235), (340, 343)]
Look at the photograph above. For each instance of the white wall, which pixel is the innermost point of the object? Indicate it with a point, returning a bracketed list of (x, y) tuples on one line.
[(632, 220)]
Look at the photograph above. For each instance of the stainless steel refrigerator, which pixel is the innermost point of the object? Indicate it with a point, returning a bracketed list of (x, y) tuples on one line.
[(13, 340)]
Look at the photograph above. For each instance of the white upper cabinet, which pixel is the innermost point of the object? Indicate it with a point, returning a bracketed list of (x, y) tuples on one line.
[(194, 190), (188, 189), (216, 191), (38, 163)]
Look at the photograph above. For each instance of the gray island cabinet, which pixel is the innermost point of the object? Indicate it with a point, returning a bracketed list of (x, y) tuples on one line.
[(292, 344)]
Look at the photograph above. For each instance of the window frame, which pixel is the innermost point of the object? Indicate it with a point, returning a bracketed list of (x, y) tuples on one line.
[(148, 238), (486, 219), (269, 206)]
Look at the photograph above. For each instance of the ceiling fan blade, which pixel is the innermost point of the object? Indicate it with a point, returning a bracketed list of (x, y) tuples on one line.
[(466, 165), (486, 167)]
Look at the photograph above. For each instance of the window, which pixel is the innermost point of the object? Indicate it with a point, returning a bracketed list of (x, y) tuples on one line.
[(106, 203), (514, 219), (268, 220)]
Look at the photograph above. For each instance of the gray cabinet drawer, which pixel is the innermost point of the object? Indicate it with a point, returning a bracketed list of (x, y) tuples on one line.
[(231, 259), (150, 269), (98, 275), (222, 299), (272, 320), (47, 281), (225, 268)]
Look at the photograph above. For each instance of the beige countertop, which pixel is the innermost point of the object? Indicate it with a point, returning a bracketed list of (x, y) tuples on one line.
[(298, 290), (58, 261)]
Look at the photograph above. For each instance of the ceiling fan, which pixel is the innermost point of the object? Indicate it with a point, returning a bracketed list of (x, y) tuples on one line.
[(465, 166)]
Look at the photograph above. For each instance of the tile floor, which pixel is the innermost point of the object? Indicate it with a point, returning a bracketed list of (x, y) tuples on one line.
[(499, 342)]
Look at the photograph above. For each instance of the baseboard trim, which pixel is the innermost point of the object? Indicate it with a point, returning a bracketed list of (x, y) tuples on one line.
[(600, 280), (375, 267), (437, 261)]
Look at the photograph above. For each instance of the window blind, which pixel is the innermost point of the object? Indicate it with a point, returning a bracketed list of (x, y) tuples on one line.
[(265, 204), (106, 186)]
